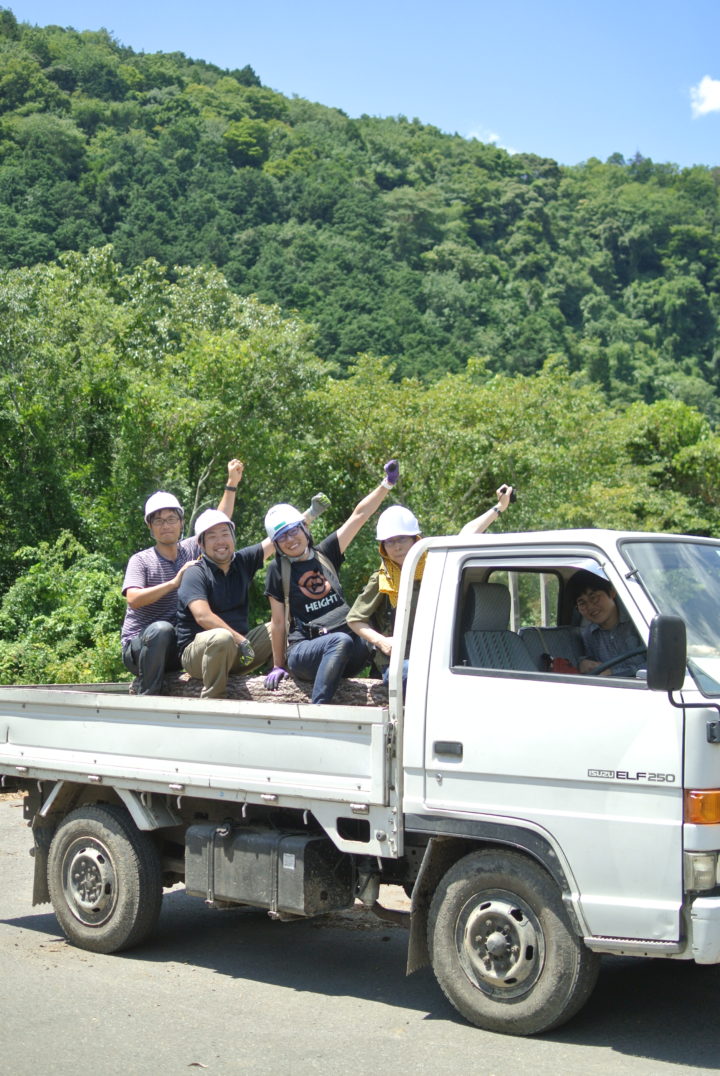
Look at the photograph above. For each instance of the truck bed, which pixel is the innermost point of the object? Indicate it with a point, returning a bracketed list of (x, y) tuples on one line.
[(214, 748)]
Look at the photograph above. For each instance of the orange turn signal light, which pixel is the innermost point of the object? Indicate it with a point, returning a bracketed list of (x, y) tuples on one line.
[(702, 806)]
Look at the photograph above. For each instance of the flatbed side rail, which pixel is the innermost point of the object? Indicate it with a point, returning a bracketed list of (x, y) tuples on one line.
[(336, 753)]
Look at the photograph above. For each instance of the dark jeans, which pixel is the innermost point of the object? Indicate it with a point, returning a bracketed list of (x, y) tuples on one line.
[(150, 655), (386, 675), (326, 660)]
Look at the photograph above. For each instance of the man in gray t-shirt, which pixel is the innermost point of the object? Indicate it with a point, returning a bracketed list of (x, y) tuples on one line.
[(609, 634), (152, 578)]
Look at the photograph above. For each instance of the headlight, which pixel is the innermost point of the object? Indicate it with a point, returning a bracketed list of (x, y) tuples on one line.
[(701, 870)]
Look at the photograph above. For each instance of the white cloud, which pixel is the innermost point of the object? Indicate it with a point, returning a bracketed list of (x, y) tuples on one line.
[(484, 134), (705, 97)]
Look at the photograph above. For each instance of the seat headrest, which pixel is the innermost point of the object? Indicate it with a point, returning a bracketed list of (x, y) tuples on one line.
[(488, 607)]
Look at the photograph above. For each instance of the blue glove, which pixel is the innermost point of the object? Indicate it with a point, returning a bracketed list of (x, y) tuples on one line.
[(392, 473), (274, 677), (246, 652)]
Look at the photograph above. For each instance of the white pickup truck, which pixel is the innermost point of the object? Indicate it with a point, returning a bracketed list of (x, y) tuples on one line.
[(538, 818)]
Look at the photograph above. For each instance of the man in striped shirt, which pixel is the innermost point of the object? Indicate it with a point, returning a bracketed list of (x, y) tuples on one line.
[(152, 578)]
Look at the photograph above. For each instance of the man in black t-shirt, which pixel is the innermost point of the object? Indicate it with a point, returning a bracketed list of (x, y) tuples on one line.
[(213, 599), (212, 618), (316, 645)]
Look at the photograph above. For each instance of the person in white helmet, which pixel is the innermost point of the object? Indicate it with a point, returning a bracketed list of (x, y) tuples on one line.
[(150, 586), (372, 616), (213, 634), (310, 637)]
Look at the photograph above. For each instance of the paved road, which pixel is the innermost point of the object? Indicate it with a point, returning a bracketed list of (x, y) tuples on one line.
[(232, 992)]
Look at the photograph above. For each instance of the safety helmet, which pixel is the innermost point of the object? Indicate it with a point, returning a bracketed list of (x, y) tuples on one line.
[(281, 517), (396, 521), (159, 501), (211, 517)]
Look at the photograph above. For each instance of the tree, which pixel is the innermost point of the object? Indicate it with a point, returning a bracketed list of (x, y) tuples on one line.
[(58, 622), (247, 142)]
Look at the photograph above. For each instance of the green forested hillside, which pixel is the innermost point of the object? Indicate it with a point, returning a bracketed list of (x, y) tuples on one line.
[(194, 267), (388, 235)]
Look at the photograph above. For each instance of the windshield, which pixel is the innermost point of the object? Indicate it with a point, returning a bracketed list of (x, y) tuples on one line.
[(683, 577)]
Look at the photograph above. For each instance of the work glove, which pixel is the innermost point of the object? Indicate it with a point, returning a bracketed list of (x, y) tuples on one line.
[(274, 677), (246, 652), (318, 504), (392, 473)]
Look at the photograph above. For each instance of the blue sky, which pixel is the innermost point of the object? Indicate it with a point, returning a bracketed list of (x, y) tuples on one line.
[(567, 80)]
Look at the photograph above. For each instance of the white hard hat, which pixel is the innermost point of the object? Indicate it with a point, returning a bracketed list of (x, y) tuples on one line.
[(396, 521), (280, 518), (211, 517), (159, 501)]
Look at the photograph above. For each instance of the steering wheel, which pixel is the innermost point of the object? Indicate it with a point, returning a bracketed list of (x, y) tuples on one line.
[(616, 660)]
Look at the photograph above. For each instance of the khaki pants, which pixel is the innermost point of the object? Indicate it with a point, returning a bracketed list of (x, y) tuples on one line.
[(213, 655)]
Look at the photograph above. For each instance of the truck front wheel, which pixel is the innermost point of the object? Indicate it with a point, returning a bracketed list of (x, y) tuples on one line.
[(104, 878), (502, 946)]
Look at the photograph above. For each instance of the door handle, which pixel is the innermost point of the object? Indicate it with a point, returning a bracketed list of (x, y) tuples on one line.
[(448, 747)]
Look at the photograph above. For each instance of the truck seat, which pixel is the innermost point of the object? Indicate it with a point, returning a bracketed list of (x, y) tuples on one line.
[(487, 641), (559, 642)]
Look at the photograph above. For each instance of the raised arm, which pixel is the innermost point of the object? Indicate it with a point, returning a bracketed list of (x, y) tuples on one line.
[(235, 470), (481, 523), (368, 506)]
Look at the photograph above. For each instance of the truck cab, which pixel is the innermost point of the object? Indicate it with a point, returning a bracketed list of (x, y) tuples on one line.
[(607, 783)]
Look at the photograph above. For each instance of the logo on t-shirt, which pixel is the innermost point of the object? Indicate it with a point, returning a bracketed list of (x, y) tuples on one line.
[(313, 584)]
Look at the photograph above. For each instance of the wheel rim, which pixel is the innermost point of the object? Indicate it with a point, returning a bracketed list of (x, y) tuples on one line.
[(88, 881), (500, 944)]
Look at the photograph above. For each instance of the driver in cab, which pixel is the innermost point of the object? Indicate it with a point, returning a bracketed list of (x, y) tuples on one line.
[(608, 632)]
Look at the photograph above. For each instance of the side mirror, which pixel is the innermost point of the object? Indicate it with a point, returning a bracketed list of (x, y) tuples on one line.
[(667, 653)]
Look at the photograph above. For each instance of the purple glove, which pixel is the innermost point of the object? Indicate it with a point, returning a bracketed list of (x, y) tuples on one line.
[(274, 677), (392, 473)]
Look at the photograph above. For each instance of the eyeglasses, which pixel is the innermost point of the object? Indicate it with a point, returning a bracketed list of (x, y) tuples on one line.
[(165, 521), (589, 599), (292, 532)]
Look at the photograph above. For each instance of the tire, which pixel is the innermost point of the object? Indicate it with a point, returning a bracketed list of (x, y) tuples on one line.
[(105, 879), (502, 946)]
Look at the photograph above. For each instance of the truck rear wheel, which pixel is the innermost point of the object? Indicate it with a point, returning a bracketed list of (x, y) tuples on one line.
[(502, 946), (105, 879)]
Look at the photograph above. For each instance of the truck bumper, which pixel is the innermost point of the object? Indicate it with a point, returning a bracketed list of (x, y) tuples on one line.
[(705, 926)]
